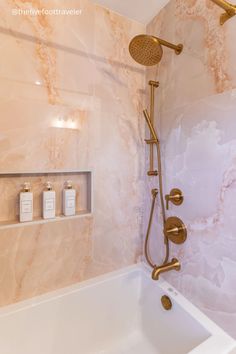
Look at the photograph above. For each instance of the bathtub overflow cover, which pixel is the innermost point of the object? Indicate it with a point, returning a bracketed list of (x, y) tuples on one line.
[(166, 302)]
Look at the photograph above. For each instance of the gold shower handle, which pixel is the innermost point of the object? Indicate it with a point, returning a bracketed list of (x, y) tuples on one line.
[(176, 197)]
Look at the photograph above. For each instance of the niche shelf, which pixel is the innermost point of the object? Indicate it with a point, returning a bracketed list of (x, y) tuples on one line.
[(11, 185)]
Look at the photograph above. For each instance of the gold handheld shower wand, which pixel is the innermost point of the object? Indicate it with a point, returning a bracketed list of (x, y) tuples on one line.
[(230, 10), (151, 127), (153, 137)]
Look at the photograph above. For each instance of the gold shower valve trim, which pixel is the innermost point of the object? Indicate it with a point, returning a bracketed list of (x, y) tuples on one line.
[(176, 197), (175, 230), (230, 10)]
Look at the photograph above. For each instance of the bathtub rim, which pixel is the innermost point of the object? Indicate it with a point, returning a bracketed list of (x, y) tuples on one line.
[(219, 340), (70, 289)]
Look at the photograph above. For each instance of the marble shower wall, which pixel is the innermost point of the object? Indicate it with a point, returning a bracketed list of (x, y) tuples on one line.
[(70, 99), (196, 121)]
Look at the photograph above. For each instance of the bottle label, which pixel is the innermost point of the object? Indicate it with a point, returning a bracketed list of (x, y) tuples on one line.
[(49, 204), (26, 206), (70, 203)]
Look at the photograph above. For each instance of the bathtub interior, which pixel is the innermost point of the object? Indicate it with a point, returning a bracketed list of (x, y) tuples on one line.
[(166, 330), (117, 314)]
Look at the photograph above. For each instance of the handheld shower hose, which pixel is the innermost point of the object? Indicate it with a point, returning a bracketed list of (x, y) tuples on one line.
[(154, 195)]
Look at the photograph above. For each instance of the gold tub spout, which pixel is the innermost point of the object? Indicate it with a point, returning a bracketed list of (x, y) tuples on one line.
[(174, 264)]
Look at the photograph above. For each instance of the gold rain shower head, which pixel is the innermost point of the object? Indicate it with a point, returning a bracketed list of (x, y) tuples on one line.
[(147, 50)]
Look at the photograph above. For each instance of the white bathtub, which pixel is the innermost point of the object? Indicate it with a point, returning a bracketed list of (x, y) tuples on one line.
[(119, 313)]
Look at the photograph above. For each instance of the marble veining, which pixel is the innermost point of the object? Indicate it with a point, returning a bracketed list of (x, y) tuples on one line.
[(196, 123), (207, 14), (41, 28), (70, 99)]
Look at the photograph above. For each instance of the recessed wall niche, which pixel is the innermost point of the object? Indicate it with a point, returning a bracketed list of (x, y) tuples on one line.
[(11, 185)]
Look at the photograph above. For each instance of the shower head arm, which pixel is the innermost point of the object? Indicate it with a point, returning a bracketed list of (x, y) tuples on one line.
[(230, 10), (177, 48)]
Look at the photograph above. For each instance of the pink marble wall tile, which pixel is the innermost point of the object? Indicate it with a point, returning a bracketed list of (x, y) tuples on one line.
[(205, 67), (39, 258), (196, 124), (70, 98), (119, 90)]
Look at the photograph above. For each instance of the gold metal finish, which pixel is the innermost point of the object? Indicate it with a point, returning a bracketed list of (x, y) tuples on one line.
[(175, 230), (150, 141), (146, 251), (157, 143), (147, 50), (159, 173), (177, 48), (176, 197), (230, 10), (152, 173), (151, 127), (174, 264), (166, 302), (153, 85)]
